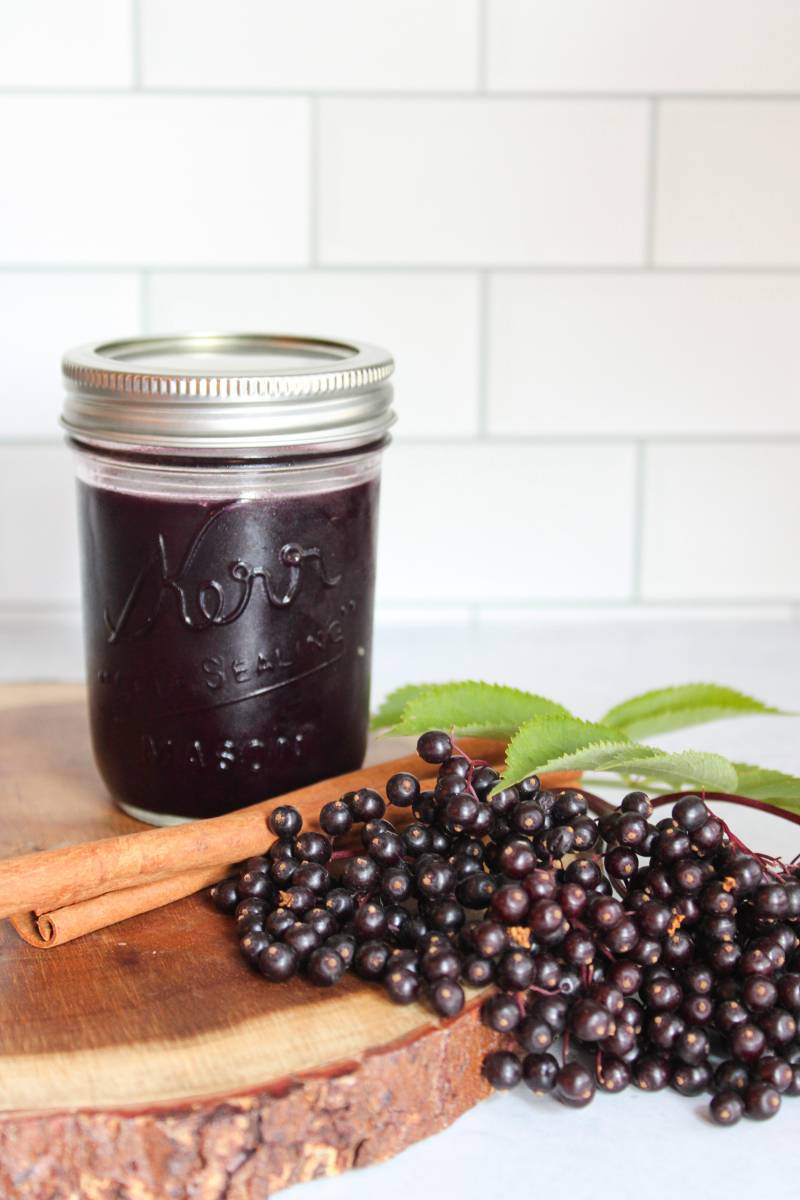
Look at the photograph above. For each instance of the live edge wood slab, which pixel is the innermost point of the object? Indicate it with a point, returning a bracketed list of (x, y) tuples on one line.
[(147, 1062)]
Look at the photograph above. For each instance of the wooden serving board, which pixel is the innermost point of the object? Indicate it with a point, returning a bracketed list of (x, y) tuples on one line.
[(148, 1062)]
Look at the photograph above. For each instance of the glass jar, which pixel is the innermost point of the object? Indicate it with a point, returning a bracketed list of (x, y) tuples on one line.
[(228, 497)]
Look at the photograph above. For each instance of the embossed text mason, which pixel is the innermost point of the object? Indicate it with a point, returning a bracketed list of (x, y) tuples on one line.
[(228, 496)]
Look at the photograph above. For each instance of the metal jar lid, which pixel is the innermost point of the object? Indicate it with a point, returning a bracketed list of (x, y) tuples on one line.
[(249, 393)]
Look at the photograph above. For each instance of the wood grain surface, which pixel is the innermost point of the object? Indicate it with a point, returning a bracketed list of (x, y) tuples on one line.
[(147, 1061)]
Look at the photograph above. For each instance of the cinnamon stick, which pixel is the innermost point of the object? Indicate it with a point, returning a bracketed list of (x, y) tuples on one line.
[(50, 929)]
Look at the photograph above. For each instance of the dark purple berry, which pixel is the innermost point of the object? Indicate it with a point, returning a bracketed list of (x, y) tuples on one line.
[(539, 1072), (370, 959), (651, 1073), (402, 985), (312, 847), (345, 946), (690, 813), (254, 943), (510, 904), (477, 971), (726, 1108), (302, 939), (447, 997), (324, 967), (366, 804), (747, 1042), (225, 895), (502, 1069), (285, 821), (501, 1013), (402, 789), (434, 746), (691, 1080), (278, 922), (278, 962), (612, 1074), (298, 900), (731, 1076), (637, 802), (335, 818), (761, 1101), (534, 1035), (361, 874), (574, 1085), (323, 921)]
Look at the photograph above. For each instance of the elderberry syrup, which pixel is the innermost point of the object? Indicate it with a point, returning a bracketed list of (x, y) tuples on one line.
[(227, 499)]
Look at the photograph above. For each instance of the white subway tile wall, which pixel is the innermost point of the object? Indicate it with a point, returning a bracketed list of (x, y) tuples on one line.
[(108, 179), (644, 45), (573, 221), (729, 183), (644, 354), (483, 181), (314, 45), (721, 521), (80, 44), (505, 528)]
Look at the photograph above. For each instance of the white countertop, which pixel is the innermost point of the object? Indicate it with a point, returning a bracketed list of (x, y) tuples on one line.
[(517, 1145)]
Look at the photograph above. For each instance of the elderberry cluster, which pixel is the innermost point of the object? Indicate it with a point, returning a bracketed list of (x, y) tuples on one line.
[(658, 954)]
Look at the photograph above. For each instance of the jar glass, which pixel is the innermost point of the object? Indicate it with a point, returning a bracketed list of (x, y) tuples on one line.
[(227, 574)]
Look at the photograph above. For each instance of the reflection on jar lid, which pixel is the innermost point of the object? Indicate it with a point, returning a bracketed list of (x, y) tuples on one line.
[(210, 393)]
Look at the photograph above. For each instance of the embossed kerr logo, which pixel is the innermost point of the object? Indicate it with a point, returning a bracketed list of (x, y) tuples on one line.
[(209, 602)]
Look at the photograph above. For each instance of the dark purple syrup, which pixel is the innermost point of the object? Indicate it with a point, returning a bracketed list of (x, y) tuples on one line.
[(228, 643)]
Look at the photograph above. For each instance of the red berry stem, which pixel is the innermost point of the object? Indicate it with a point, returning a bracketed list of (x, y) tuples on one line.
[(473, 763)]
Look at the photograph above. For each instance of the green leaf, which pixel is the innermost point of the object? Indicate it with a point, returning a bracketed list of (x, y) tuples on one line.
[(473, 709), (391, 710), (694, 767), (774, 787), (548, 744), (677, 707), (561, 743)]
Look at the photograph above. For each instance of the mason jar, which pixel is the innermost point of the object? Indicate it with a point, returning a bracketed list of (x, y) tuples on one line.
[(227, 508)]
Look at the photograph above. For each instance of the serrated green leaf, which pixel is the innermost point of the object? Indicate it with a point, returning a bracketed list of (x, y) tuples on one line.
[(391, 710), (678, 707), (557, 743), (473, 709), (694, 767), (775, 787), (549, 744)]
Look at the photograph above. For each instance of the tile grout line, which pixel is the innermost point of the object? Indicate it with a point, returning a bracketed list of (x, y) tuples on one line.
[(640, 466), (651, 193), (136, 46), (558, 270), (313, 182), (412, 94)]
